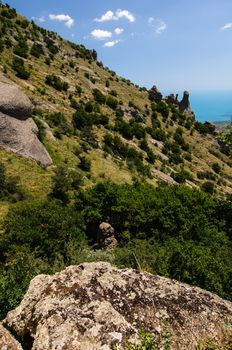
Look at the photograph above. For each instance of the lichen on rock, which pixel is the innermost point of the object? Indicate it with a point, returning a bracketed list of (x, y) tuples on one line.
[(97, 306)]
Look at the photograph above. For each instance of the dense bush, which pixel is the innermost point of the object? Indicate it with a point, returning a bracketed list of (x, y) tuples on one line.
[(183, 230), (22, 48), (36, 51), (174, 231), (56, 82), (59, 121), (82, 118), (163, 109), (112, 102), (85, 163), (19, 68), (99, 96), (40, 227)]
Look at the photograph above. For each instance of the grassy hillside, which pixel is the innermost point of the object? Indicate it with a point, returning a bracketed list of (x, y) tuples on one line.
[(85, 110)]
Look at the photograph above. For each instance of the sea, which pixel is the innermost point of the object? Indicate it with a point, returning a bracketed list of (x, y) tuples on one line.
[(212, 106)]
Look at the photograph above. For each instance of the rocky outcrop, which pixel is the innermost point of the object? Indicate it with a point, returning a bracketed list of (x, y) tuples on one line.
[(132, 113), (96, 306), (172, 99), (18, 131), (155, 95), (184, 105), (14, 102), (51, 44), (7, 341), (106, 238), (94, 55)]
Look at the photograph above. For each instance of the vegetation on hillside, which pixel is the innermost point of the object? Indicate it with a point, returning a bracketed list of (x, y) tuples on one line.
[(115, 123), (99, 126), (173, 231)]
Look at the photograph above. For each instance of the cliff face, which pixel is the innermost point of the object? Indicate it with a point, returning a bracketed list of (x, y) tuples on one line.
[(96, 306)]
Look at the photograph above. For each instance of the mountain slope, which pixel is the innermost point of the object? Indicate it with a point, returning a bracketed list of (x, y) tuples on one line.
[(86, 113)]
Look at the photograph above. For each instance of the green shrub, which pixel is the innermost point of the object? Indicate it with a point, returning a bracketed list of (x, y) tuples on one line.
[(56, 82), (18, 67), (35, 51), (99, 96), (85, 163), (216, 168), (22, 48), (43, 228), (208, 187), (112, 102)]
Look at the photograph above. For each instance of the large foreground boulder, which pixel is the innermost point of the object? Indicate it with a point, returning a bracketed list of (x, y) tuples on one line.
[(18, 131), (96, 306)]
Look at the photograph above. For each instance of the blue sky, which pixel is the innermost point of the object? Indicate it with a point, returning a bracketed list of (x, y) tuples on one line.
[(175, 44)]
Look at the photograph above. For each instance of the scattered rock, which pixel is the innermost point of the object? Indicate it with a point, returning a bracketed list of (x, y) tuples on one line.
[(7, 341), (164, 177), (96, 306), (51, 44), (106, 238), (155, 95), (133, 113)]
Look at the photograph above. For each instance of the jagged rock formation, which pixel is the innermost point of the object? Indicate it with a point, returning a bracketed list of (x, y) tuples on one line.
[(96, 306), (184, 105), (18, 131), (7, 341), (106, 238), (94, 55), (172, 99), (155, 95)]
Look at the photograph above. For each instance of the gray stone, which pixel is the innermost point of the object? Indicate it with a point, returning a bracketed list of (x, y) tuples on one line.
[(20, 137), (13, 101), (106, 238), (18, 131), (184, 105), (172, 99), (95, 306)]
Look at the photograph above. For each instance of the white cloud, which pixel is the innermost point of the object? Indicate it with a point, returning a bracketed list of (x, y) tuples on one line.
[(118, 31), (158, 24), (227, 26), (41, 19), (111, 43), (68, 21), (101, 34), (115, 16), (108, 16)]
